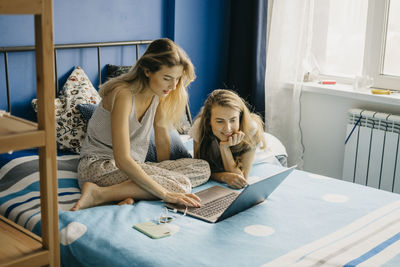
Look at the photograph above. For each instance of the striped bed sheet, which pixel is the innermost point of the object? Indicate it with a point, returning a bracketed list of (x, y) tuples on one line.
[(372, 240), (19, 187)]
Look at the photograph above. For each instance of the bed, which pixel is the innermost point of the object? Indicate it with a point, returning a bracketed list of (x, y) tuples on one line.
[(309, 220)]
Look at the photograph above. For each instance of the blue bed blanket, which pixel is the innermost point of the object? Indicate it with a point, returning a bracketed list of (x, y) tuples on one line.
[(308, 220)]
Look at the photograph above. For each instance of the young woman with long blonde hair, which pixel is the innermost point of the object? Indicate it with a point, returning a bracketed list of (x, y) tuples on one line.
[(151, 95)]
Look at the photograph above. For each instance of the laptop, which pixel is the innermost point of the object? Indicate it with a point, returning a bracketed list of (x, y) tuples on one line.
[(219, 203)]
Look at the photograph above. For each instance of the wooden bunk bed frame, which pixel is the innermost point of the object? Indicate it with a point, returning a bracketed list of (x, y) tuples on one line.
[(19, 247)]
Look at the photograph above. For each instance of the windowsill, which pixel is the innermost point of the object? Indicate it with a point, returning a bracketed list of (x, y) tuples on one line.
[(347, 91)]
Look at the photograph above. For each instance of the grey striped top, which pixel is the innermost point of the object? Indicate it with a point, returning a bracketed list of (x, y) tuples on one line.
[(98, 140)]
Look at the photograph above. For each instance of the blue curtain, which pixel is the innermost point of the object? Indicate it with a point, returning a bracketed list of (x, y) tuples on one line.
[(247, 47)]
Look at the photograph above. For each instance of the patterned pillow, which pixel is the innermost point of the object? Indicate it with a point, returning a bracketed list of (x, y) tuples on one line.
[(70, 125), (113, 71), (59, 105), (87, 111)]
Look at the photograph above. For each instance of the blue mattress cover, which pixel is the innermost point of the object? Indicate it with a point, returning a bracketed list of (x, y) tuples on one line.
[(309, 219)]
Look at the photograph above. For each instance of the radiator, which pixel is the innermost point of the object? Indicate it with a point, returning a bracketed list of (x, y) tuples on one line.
[(372, 153)]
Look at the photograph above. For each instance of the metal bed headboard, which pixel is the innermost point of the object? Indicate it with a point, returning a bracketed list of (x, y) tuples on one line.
[(98, 45)]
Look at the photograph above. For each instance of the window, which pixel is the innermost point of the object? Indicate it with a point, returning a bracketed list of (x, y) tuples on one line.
[(358, 38), (392, 49)]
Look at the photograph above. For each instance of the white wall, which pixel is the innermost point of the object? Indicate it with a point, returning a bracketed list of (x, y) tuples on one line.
[(323, 123)]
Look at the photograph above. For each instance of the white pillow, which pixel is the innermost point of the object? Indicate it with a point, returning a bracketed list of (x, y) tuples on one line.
[(274, 148)]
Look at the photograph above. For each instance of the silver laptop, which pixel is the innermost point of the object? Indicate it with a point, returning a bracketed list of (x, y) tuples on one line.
[(219, 203)]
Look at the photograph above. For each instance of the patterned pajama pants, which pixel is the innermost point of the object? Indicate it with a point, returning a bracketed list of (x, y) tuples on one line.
[(174, 175)]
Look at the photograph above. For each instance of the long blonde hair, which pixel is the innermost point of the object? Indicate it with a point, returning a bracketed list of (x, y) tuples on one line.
[(228, 98), (161, 52)]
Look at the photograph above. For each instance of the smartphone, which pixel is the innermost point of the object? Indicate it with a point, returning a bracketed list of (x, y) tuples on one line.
[(153, 230)]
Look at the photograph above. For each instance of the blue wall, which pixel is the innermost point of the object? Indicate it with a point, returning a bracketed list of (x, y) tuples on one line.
[(200, 27)]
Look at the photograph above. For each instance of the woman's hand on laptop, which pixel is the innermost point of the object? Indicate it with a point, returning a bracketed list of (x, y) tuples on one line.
[(234, 180), (188, 200)]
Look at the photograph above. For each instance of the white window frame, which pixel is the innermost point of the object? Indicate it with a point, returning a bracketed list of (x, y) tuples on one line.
[(375, 42)]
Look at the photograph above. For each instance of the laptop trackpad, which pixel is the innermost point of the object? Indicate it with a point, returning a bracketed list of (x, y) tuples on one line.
[(213, 193)]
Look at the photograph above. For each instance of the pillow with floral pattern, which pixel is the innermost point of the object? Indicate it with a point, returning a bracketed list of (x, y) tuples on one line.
[(113, 71), (70, 126)]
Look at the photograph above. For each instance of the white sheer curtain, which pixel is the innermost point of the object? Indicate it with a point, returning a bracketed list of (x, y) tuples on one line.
[(289, 44)]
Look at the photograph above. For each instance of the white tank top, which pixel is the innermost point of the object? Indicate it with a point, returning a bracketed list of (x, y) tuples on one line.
[(98, 139)]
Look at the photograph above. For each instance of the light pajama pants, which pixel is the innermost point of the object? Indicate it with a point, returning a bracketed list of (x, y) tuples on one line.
[(174, 175)]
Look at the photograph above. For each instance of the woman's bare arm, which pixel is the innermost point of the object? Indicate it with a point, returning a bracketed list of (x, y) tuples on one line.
[(247, 161), (232, 179), (228, 160), (161, 135)]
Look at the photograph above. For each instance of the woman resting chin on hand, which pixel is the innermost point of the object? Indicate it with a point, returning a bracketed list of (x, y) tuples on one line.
[(225, 134)]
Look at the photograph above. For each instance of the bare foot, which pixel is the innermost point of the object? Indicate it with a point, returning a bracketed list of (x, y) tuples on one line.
[(90, 197), (128, 201)]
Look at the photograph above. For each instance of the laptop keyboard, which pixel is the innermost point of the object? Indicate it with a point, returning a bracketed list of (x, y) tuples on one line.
[(216, 206)]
